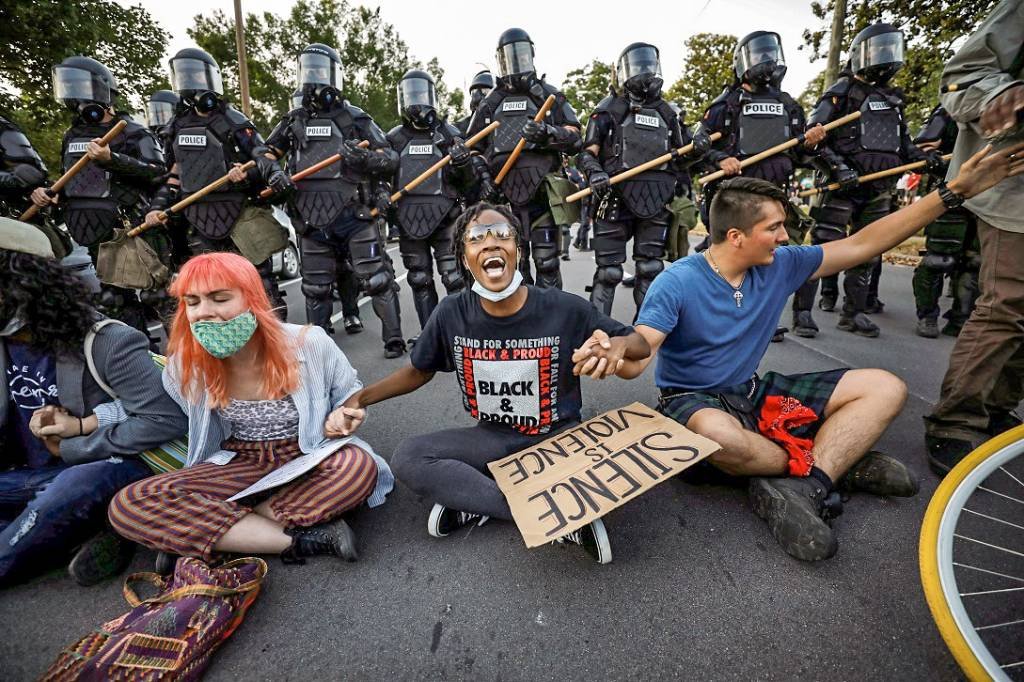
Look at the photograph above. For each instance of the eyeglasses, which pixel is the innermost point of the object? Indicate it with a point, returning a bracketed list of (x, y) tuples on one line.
[(477, 233)]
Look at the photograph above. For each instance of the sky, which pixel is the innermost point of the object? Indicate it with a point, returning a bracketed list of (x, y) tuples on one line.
[(463, 34)]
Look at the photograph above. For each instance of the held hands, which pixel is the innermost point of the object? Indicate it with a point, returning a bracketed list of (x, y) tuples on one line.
[(97, 152), (988, 168), (344, 421), (814, 135), (599, 357), (45, 418), (730, 166)]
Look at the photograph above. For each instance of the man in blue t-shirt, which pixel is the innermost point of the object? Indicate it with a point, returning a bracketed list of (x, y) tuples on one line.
[(709, 318)]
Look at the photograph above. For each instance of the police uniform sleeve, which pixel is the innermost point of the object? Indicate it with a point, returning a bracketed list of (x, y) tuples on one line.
[(280, 142), (142, 158), (714, 122)]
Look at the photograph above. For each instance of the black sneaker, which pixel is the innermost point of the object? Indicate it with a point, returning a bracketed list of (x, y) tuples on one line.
[(1000, 421), (443, 520), (353, 325), (945, 453), (394, 348), (593, 538), (104, 556), (875, 307), (928, 328), (794, 509), (565, 256), (780, 334), (859, 324), (827, 303), (333, 538), (804, 325), (952, 329), (879, 474)]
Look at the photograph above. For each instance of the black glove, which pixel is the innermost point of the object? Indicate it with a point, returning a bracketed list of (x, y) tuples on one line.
[(274, 177), (355, 157), (935, 165), (845, 176), (459, 152), (598, 181), (537, 133), (381, 200), (701, 143), (488, 190)]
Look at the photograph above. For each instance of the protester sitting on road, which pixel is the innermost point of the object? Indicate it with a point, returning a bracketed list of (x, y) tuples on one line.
[(258, 394), (710, 317), (510, 346), (66, 447)]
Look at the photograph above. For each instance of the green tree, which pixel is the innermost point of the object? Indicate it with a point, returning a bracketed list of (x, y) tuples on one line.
[(585, 87), (373, 57), (34, 36), (931, 29), (707, 70)]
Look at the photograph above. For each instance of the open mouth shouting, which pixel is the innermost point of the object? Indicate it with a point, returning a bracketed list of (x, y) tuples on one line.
[(493, 267)]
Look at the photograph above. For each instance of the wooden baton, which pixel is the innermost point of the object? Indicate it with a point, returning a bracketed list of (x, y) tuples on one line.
[(871, 176), (636, 170), (191, 199), (76, 168), (425, 175), (711, 177), (314, 168), (511, 160)]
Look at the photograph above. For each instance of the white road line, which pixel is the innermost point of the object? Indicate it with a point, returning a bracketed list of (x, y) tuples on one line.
[(289, 282), (364, 300)]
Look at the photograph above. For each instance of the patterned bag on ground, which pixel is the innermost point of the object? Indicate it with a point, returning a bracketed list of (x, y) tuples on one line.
[(130, 262), (169, 456), (170, 636), (258, 235)]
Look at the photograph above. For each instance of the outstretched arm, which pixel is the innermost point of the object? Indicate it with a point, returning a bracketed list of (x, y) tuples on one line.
[(982, 171), (346, 419)]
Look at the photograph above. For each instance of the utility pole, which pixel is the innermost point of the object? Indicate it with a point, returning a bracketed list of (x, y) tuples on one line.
[(835, 45), (243, 66)]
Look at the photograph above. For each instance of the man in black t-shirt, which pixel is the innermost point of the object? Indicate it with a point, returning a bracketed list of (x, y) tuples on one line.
[(510, 346)]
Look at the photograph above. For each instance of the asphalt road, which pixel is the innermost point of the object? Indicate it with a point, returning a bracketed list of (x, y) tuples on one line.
[(697, 590)]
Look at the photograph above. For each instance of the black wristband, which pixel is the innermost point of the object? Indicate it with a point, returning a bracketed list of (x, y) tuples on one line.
[(950, 198)]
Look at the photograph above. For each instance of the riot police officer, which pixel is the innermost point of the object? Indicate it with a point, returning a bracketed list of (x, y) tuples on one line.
[(331, 208), (161, 107), (534, 184), (425, 215), (207, 139), (626, 130), (113, 190), (479, 88), (951, 247), (876, 141)]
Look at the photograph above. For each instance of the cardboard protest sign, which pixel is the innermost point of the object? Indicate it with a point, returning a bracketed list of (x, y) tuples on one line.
[(566, 481)]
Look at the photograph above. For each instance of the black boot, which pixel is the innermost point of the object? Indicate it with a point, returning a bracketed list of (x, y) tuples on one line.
[(804, 325), (794, 509), (333, 538), (880, 474)]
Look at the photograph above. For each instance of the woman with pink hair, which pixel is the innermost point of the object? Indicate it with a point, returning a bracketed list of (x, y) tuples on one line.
[(259, 394)]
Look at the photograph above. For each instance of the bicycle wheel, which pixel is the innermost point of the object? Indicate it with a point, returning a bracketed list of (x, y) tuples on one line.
[(972, 559)]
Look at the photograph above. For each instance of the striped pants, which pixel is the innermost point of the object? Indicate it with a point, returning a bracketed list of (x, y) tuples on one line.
[(186, 511)]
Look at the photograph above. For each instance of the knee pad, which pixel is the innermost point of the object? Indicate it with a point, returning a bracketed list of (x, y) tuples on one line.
[(420, 279), (825, 232), (940, 262), (545, 263), (649, 269), (452, 281), (317, 292), (834, 211), (378, 283), (609, 274)]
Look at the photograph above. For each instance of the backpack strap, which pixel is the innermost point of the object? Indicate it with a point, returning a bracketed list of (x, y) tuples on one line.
[(90, 362)]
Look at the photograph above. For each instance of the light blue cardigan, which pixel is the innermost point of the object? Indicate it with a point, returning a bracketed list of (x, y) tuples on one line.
[(326, 380)]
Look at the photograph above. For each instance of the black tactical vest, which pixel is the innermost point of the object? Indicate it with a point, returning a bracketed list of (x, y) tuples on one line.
[(762, 122), (421, 211), (879, 124), (323, 195), (526, 176), (205, 151), (639, 137)]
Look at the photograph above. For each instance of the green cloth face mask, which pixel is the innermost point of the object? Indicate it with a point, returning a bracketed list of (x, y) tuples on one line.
[(224, 339)]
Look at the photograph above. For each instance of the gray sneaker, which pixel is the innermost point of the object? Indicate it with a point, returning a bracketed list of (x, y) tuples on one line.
[(928, 328), (794, 509)]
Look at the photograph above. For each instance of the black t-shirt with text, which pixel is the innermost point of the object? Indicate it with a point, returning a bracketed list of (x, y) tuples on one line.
[(514, 370)]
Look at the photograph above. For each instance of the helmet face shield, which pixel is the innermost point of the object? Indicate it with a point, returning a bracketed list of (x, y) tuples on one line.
[(195, 75), (71, 84), (880, 50), (515, 58), (413, 91), (760, 50), (637, 62), (318, 70), (159, 113)]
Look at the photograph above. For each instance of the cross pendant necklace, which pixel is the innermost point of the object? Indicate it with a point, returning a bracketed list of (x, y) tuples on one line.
[(737, 295)]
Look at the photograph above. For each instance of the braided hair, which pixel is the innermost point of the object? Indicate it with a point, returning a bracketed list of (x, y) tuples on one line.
[(468, 216), (54, 303)]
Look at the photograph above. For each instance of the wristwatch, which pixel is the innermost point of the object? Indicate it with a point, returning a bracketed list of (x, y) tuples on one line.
[(950, 198)]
